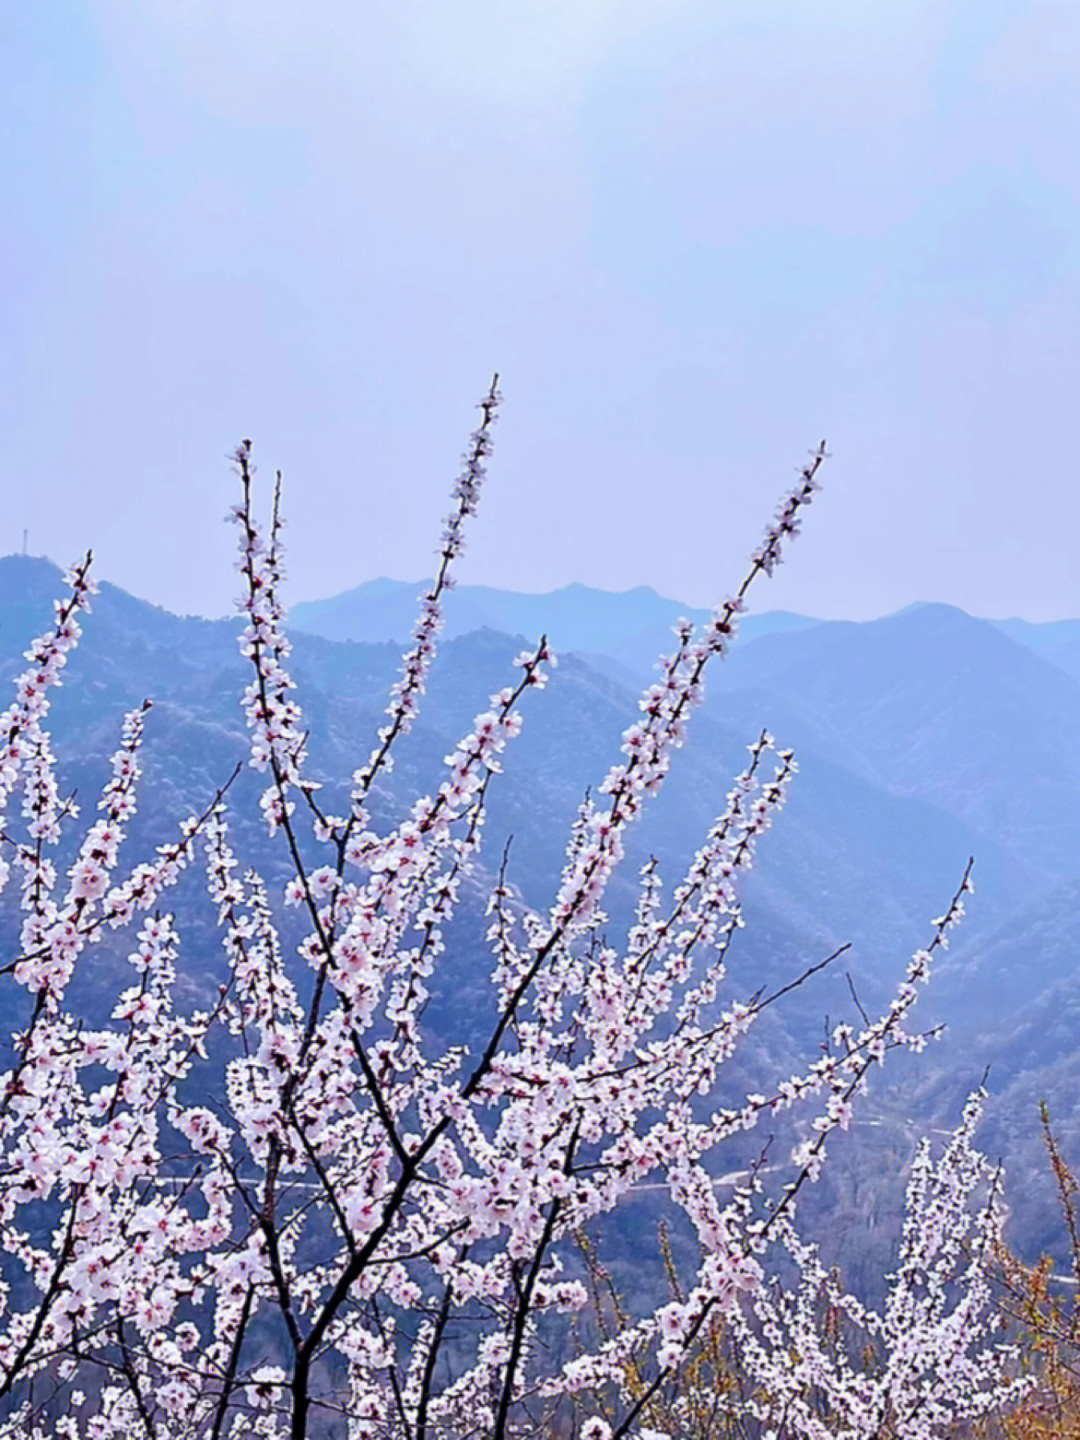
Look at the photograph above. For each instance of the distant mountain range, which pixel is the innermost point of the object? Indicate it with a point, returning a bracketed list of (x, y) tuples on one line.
[(631, 627), (923, 738)]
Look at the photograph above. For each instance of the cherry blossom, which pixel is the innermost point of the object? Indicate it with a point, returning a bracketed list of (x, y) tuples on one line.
[(290, 1208)]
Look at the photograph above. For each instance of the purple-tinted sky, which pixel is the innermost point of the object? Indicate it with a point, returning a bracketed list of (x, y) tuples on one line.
[(693, 237)]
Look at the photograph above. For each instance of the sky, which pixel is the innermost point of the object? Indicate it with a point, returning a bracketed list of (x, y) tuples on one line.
[(693, 237)]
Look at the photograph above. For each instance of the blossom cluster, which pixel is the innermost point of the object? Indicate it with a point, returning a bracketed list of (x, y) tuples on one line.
[(409, 688), (274, 717), (935, 1360), (27, 755)]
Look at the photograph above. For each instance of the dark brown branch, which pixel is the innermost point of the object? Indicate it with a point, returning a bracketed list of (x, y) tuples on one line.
[(229, 1379)]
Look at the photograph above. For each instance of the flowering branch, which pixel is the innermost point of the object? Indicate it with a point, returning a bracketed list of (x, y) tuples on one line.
[(295, 1204)]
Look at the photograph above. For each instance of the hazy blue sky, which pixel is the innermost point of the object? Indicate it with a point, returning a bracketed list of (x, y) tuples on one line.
[(694, 236)]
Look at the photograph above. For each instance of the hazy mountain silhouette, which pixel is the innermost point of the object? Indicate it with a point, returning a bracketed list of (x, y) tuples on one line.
[(631, 627)]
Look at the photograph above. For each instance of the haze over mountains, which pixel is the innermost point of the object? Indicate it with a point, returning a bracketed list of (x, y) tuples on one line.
[(923, 738), (630, 626)]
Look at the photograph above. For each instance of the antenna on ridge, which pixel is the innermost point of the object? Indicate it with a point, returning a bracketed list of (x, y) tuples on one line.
[(24, 542)]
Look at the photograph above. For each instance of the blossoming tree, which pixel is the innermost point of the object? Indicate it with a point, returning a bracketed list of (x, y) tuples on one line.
[(923, 1362), (343, 1229)]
